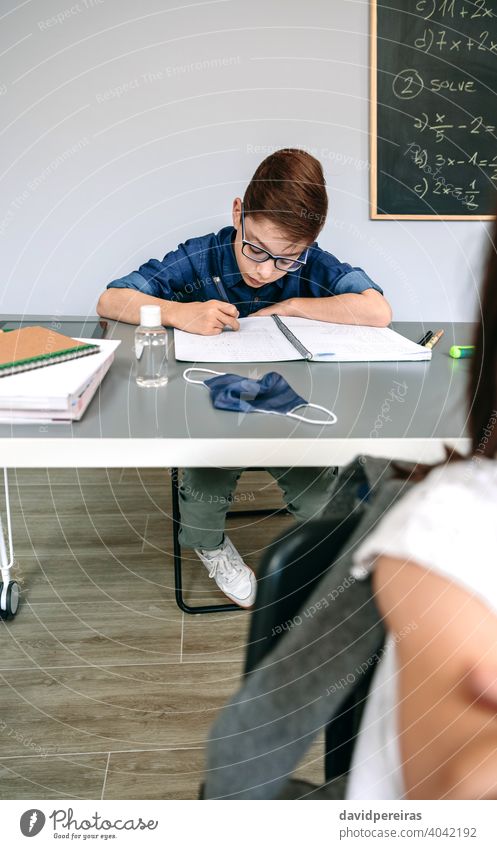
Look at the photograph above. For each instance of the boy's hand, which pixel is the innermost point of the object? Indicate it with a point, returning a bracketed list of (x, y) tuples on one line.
[(208, 318)]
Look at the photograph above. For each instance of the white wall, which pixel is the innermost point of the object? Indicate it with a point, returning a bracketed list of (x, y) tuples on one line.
[(127, 127)]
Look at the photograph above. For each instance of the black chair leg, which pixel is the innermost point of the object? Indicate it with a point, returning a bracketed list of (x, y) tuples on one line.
[(178, 577)]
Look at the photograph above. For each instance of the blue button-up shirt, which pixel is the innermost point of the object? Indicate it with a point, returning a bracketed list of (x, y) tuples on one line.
[(186, 275)]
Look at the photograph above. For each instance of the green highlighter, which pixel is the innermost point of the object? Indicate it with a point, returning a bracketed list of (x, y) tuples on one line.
[(460, 351)]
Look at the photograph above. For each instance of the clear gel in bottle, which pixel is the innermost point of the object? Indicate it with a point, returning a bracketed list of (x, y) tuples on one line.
[(151, 348)]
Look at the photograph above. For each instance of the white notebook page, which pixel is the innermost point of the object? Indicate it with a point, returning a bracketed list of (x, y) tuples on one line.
[(353, 343), (257, 341)]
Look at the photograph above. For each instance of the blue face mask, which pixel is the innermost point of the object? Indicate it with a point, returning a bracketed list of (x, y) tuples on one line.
[(269, 394)]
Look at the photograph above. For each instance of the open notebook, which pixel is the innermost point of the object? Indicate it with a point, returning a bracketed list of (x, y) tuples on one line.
[(270, 339)]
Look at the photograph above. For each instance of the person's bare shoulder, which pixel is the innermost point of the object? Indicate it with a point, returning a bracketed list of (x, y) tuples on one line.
[(439, 629)]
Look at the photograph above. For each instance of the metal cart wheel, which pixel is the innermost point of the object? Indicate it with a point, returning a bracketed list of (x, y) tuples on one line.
[(9, 590), (9, 599)]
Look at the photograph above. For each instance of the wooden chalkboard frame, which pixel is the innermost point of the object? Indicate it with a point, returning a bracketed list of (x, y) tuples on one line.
[(374, 213)]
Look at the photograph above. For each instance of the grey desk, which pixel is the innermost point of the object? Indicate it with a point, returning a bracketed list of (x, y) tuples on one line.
[(402, 410)]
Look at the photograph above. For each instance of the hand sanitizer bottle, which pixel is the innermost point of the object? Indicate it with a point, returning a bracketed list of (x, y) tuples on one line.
[(151, 348)]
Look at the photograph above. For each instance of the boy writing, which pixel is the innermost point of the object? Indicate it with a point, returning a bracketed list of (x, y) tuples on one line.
[(267, 263)]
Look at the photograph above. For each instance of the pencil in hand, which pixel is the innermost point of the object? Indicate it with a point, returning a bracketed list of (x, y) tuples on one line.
[(220, 288)]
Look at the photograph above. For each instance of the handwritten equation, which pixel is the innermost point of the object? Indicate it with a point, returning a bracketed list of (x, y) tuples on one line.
[(441, 40), (453, 9), (439, 127), (432, 177)]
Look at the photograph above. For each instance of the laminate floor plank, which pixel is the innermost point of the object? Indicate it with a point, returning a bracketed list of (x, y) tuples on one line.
[(89, 577), (96, 633), (48, 777), (173, 774), (115, 708)]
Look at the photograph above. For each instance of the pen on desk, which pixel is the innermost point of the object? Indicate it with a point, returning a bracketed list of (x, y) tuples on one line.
[(435, 339), (426, 338)]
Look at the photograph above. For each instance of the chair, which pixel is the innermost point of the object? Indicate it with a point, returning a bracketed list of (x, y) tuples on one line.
[(292, 566), (178, 574)]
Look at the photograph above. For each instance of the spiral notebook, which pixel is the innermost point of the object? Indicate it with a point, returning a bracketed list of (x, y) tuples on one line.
[(272, 339), (57, 394), (35, 347)]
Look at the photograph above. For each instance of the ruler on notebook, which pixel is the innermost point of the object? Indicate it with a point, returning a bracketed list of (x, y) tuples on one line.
[(297, 344)]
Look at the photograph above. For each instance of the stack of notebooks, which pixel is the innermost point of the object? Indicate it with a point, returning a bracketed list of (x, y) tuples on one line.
[(48, 377)]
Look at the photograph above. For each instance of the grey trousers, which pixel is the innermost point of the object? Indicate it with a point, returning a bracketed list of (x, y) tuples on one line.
[(206, 495)]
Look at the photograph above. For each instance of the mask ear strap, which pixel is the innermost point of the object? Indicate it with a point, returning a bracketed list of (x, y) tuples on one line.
[(194, 368), (332, 421)]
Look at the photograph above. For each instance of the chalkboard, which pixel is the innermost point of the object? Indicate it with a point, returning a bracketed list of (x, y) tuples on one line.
[(434, 109)]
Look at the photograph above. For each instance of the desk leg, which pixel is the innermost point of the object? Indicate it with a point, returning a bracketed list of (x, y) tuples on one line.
[(9, 590)]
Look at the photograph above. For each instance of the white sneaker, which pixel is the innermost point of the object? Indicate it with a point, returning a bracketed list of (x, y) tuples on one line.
[(233, 577)]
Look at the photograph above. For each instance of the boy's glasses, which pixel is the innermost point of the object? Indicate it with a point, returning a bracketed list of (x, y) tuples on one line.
[(258, 254)]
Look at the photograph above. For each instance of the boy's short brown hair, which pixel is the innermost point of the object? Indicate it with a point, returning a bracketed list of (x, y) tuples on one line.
[(289, 189)]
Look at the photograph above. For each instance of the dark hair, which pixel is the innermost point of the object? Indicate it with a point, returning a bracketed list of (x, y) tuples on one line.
[(289, 189), (482, 390), (483, 382)]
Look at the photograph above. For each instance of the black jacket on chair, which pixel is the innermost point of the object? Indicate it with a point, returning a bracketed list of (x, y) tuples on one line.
[(316, 661)]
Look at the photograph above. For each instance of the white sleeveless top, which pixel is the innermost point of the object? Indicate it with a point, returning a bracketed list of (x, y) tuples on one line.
[(448, 524)]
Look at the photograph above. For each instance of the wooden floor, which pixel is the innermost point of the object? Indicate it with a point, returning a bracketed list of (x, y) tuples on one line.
[(107, 689)]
